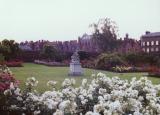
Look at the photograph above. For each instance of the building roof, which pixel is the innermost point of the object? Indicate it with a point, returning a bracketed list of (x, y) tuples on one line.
[(154, 34), (86, 36)]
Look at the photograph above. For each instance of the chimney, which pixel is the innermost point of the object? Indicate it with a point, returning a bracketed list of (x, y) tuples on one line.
[(127, 36), (148, 32)]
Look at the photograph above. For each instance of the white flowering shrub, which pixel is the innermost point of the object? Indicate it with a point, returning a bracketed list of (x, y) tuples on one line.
[(101, 96)]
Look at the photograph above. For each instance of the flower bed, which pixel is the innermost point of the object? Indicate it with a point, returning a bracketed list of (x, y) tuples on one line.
[(6, 78), (50, 63), (12, 63), (123, 69), (101, 96), (154, 72)]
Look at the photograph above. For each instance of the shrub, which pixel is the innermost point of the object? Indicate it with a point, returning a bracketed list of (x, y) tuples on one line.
[(83, 55), (50, 63), (107, 61), (142, 58), (14, 64), (6, 78), (101, 96), (2, 58), (88, 63), (130, 69), (123, 69)]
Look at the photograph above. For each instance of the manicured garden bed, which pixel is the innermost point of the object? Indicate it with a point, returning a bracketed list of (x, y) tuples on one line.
[(12, 63), (44, 73), (59, 64), (100, 96)]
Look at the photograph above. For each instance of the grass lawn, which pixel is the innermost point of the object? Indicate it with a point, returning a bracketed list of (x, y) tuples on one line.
[(44, 73)]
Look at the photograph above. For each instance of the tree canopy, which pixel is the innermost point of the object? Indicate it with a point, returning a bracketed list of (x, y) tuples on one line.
[(105, 34), (9, 49), (49, 52)]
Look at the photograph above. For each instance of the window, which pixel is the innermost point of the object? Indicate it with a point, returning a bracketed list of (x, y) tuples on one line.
[(143, 49), (143, 43), (147, 50), (157, 49), (152, 43), (147, 43), (152, 49), (157, 42)]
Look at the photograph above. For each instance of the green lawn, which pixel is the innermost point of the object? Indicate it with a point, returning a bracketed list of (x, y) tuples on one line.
[(44, 73)]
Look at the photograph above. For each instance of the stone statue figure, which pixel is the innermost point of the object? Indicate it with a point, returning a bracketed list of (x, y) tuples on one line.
[(75, 57)]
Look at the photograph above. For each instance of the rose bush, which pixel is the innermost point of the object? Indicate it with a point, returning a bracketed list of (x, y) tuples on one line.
[(101, 96), (6, 78), (14, 63), (7, 81)]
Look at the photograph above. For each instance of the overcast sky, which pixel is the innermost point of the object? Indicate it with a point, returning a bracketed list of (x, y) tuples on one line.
[(67, 19)]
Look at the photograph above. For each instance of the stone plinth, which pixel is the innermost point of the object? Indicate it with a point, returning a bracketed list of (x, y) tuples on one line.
[(75, 66)]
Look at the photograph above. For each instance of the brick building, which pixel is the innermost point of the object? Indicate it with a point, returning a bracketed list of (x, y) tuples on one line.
[(150, 42), (86, 43), (129, 45)]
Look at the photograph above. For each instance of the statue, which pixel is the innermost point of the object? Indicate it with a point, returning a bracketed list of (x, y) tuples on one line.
[(75, 65), (75, 57)]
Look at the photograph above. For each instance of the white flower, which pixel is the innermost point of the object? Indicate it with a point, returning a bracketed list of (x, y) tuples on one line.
[(101, 99), (84, 82), (81, 97), (14, 106), (140, 98), (31, 82), (73, 82), (63, 105), (12, 86), (101, 74), (7, 92), (107, 97), (113, 97), (73, 107), (37, 112), (107, 112), (102, 91), (68, 82), (89, 113), (51, 104), (84, 101), (92, 113), (17, 91), (19, 98), (137, 113), (90, 96), (115, 105), (58, 112), (98, 108), (51, 83)]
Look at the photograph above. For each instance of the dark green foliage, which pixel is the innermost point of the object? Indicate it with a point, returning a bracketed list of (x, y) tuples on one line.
[(142, 58), (51, 53), (105, 35), (83, 55), (9, 49), (1, 58), (106, 61)]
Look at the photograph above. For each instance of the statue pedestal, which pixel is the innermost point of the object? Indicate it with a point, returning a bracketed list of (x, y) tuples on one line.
[(75, 69)]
